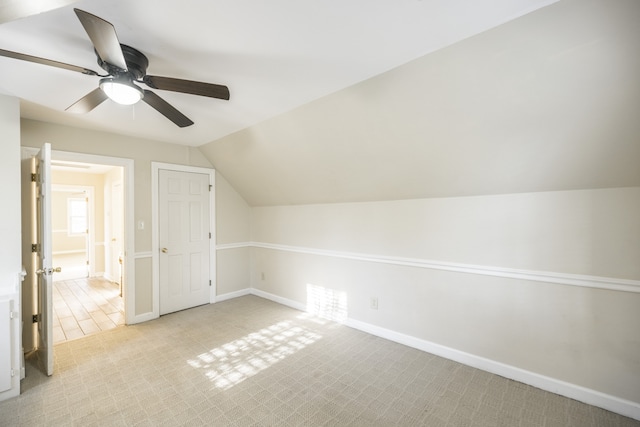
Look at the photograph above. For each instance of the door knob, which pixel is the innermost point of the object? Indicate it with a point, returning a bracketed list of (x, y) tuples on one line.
[(165, 250), (48, 271)]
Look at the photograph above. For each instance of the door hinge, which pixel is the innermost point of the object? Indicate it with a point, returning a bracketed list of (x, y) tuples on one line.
[(34, 177), (210, 186), (13, 373), (209, 234), (209, 282), (13, 315), (36, 318), (35, 247)]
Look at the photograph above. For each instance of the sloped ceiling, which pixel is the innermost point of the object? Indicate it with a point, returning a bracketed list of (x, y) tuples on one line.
[(364, 101), (274, 56), (549, 101)]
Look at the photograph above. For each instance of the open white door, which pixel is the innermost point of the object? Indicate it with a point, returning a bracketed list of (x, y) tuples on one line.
[(41, 170), (184, 237), (116, 230)]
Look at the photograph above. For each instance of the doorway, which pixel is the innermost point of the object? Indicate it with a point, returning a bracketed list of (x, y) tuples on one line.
[(87, 241), (37, 306)]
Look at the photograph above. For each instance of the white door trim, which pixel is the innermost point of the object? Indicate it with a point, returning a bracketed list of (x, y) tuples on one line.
[(155, 233), (129, 230)]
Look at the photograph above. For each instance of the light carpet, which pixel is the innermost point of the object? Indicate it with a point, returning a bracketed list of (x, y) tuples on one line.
[(252, 362)]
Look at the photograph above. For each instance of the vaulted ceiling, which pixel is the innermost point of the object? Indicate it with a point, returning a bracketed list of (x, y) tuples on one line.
[(274, 56), (361, 101)]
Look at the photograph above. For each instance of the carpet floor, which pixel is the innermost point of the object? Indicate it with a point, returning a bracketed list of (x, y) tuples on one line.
[(252, 362)]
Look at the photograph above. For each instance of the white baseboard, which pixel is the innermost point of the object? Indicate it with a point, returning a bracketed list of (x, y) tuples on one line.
[(279, 300), (231, 295), (592, 397), (582, 394), (144, 317)]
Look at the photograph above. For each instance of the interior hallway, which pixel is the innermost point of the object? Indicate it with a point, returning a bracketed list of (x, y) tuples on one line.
[(84, 306)]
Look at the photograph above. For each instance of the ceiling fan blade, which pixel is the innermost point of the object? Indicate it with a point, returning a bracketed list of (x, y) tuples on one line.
[(104, 38), (43, 61), (166, 109), (187, 86), (88, 102)]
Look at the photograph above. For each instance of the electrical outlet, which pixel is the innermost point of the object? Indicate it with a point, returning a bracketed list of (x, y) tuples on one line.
[(374, 303)]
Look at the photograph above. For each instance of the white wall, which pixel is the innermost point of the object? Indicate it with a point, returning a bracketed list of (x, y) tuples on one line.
[(479, 275), (10, 253)]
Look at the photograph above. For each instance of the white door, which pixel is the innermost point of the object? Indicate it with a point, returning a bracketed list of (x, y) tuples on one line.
[(41, 170), (117, 233), (183, 220)]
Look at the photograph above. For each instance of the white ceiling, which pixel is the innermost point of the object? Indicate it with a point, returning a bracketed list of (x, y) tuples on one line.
[(274, 56)]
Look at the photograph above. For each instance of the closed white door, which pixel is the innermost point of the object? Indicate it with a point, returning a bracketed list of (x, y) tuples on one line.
[(183, 220)]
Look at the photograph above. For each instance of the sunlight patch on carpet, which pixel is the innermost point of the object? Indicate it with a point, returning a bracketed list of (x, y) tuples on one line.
[(235, 361)]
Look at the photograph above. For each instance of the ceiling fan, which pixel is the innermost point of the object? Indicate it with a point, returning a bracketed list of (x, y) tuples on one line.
[(125, 66)]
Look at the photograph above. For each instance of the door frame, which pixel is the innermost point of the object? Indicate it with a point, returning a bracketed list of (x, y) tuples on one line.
[(129, 229), (155, 236)]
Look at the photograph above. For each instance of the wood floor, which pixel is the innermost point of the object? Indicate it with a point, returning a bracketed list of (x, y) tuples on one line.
[(84, 306)]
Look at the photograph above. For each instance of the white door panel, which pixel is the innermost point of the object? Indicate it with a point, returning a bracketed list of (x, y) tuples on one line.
[(42, 170), (183, 218)]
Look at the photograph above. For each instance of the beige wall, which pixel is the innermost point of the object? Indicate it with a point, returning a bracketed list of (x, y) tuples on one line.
[(61, 241), (143, 152), (233, 225), (583, 336)]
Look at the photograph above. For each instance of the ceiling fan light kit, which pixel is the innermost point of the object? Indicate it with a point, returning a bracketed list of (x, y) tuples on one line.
[(121, 91), (125, 67)]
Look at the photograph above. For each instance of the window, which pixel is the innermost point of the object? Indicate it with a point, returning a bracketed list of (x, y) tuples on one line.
[(77, 216)]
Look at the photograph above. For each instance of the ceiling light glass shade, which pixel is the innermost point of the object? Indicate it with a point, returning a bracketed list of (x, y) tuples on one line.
[(121, 91)]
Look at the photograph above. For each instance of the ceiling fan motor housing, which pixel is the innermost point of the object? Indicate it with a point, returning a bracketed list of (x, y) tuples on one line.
[(137, 63)]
